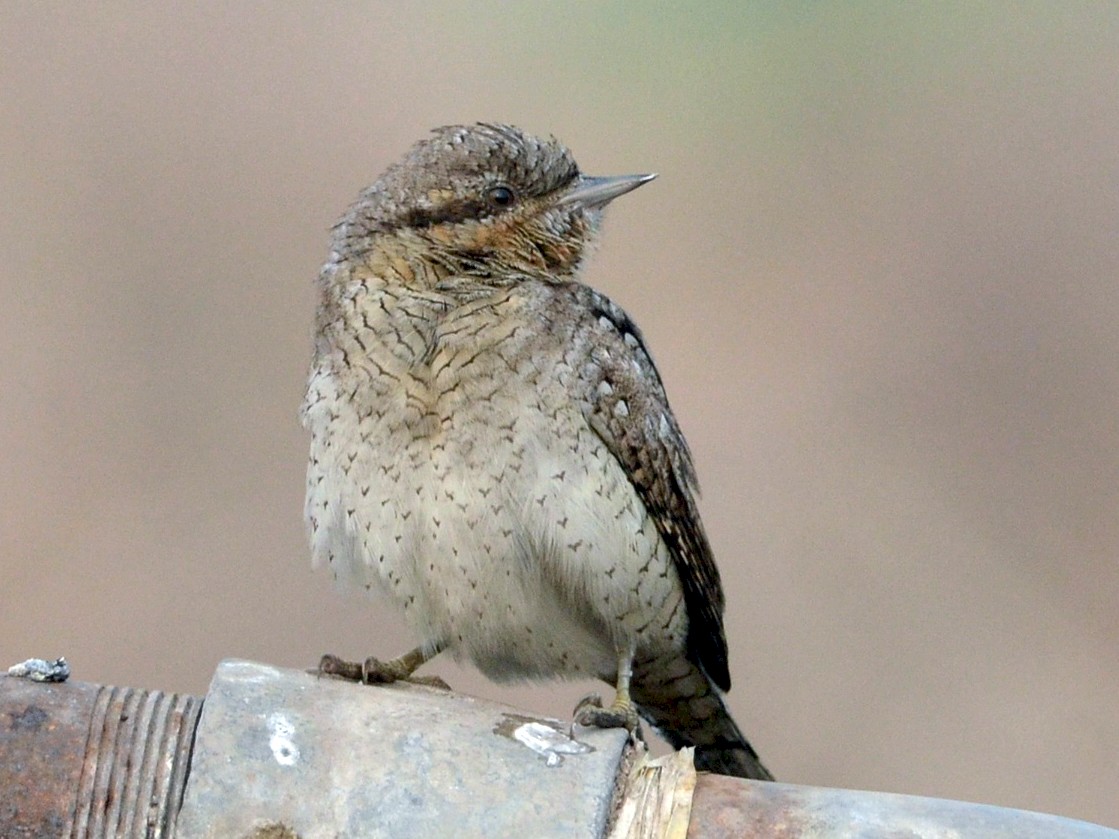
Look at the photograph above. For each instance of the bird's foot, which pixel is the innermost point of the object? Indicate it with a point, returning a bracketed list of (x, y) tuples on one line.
[(332, 665), (373, 671), (589, 713)]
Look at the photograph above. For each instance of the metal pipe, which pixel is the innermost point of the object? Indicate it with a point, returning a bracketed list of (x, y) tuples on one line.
[(88, 760), (280, 753)]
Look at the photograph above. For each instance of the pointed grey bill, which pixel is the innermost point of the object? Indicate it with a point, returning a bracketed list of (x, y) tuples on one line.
[(597, 192)]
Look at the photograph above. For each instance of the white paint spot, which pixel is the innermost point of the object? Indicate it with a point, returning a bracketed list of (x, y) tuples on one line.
[(281, 742), (548, 743)]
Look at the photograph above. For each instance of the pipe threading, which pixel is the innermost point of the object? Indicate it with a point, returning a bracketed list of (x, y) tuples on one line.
[(134, 770)]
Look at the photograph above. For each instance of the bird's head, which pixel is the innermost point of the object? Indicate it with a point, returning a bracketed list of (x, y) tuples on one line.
[(486, 202)]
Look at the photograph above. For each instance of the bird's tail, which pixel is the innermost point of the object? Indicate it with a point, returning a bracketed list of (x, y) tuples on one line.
[(680, 701)]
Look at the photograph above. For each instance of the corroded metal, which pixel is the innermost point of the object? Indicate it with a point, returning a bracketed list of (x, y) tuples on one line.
[(730, 807), (82, 760), (280, 753)]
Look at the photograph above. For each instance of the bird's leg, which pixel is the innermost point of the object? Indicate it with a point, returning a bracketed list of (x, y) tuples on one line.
[(621, 713), (373, 671)]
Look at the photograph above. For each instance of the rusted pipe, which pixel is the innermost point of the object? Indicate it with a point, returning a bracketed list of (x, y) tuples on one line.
[(87, 760), (280, 753), (728, 807)]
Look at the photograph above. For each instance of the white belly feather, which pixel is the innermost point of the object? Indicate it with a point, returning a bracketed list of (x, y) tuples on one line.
[(523, 548)]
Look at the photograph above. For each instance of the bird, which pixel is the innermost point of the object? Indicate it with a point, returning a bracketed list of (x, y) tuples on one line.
[(492, 448)]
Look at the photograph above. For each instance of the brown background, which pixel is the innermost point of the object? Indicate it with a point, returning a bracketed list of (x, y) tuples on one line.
[(878, 272)]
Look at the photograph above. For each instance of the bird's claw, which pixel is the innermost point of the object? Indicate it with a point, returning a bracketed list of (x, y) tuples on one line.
[(427, 681), (377, 672), (332, 665), (373, 671), (590, 713)]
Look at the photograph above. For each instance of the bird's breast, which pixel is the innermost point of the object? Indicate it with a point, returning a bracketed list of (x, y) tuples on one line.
[(453, 469)]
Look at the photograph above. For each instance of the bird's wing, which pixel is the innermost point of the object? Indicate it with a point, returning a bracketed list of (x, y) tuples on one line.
[(626, 406)]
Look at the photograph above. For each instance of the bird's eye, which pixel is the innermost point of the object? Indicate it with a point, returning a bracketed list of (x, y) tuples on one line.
[(500, 197)]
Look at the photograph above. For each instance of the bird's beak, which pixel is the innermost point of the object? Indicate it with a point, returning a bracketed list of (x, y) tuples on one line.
[(598, 192)]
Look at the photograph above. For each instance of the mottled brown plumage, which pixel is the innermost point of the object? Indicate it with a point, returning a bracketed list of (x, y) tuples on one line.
[(492, 447)]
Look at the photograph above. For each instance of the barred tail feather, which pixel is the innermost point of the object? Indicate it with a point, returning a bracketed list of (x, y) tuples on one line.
[(680, 701)]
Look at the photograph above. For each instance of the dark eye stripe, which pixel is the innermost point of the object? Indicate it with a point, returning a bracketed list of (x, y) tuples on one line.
[(451, 212)]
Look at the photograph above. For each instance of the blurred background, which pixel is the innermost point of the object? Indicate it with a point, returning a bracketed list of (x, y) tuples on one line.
[(878, 273)]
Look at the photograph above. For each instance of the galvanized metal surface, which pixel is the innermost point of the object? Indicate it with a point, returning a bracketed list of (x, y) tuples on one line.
[(82, 760), (280, 750), (729, 807)]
